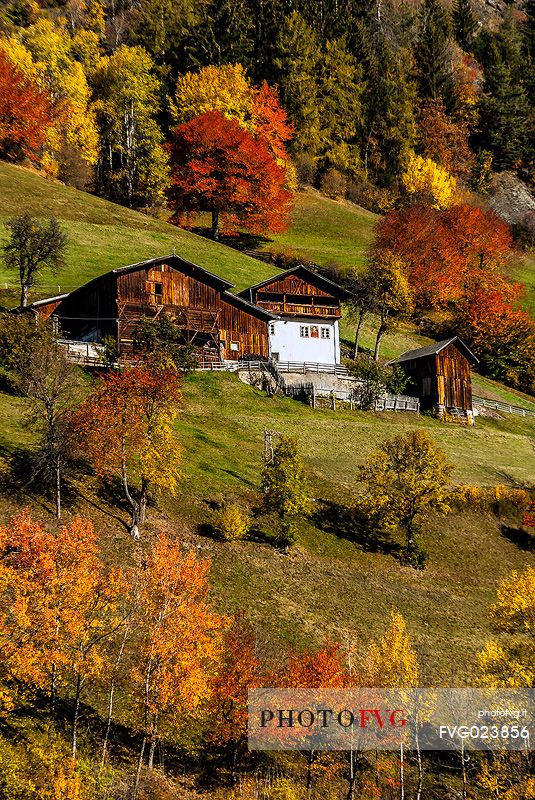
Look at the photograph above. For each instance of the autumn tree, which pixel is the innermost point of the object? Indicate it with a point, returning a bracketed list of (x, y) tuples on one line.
[(285, 487), (24, 114), (33, 246), (321, 668), (58, 607), (126, 426), (72, 141), (132, 165), (391, 661), (491, 320), (444, 140), (226, 89), (389, 292), (441, 248), (425, 182), (511, 662), (51, 385), (240, 669), (218, 166), (404, 480), (178, 640)]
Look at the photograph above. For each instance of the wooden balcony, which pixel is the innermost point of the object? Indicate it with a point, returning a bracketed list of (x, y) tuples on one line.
[(301, 309)]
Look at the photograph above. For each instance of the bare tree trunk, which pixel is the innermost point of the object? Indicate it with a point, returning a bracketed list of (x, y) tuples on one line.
[(76, 715), (419, 785), (139, 766), (111, 696), (380, 334), (58, 487), (401, 773), (24, 295), (310, 762), (215, 225), (362, 314), (134, 525), (143, 500)]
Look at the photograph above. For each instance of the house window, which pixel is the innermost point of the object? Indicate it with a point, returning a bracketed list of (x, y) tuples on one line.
[(325, 333), (158, 288), (272, 328), (304, 331), (234, 346), (314, 332)]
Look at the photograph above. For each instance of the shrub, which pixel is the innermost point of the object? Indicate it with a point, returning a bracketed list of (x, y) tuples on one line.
[(305, 167), (333, 183), (231, 522), (415, 556)]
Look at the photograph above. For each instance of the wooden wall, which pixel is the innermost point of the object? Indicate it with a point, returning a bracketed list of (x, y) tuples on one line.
[(91, 308), (441, 379), (454, 384), (293, 284), (209, 319), (239, 325)]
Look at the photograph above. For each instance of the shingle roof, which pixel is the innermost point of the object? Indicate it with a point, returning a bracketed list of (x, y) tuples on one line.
[(432, 349)]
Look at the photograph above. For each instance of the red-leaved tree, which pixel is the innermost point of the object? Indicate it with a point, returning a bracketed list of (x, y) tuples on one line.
[(219, 167), (442, 248), (25, 113)]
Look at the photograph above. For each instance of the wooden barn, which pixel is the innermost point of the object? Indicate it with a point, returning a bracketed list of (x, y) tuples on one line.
[(307, 306), (220, 325), (440, 375)]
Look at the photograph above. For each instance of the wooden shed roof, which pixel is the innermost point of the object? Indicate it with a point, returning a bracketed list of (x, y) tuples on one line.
[(437, 347), (309, 274)]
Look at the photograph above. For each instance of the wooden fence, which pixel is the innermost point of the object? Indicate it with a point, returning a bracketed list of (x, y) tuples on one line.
[(347, 396), (499, 406), (309, 366)]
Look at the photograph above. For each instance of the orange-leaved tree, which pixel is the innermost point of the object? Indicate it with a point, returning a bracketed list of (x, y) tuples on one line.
[(441, 248), (219, 167), (240, 670), (491, 320), (58, 607), (178, 639), (126, 426), (25, 113)]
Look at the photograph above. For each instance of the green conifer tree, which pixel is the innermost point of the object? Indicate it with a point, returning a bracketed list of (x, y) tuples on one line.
[(297, 55), (465, 25), (433, 53)]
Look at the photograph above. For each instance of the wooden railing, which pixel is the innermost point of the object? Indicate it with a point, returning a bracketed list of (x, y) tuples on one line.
[(499, 406), (300, 309), (310, 366), (350, 397)]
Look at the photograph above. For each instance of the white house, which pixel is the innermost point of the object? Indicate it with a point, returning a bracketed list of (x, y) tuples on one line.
[(308, 309)]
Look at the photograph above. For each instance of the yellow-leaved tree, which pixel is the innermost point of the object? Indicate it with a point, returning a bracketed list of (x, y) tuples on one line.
[(511, 663), (44, 53), (425, 178), (227, 89), (391, 661)]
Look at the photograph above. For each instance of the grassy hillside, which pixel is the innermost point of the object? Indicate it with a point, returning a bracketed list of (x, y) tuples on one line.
[(332, 584), (327, 231), (104, 236)]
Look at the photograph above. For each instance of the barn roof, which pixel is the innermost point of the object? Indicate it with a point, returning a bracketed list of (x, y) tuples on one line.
[(310, 273), (223, 284), (433, 349)]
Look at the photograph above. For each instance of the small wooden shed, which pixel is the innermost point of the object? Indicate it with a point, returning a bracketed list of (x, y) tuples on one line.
[(440, 375)]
